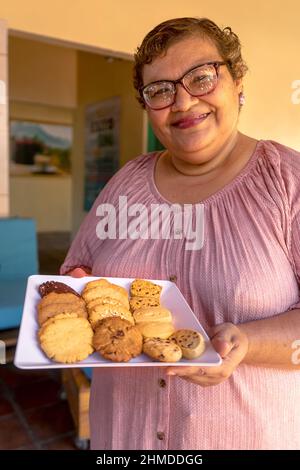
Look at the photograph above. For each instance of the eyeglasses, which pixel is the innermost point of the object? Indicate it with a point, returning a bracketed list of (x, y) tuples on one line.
[(198, 81)]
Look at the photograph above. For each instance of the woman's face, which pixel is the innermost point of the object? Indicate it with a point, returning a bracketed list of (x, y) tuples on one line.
[(179, 127)]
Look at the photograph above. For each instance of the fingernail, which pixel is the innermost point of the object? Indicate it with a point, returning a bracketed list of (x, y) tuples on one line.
[(171, 373)]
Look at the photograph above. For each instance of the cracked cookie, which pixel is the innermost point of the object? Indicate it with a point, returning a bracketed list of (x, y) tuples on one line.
[(117, 340)]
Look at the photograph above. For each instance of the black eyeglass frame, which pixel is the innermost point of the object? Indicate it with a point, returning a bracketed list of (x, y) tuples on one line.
[(216, 65)]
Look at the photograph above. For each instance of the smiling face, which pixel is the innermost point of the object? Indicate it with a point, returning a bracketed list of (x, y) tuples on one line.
[(194, 129)]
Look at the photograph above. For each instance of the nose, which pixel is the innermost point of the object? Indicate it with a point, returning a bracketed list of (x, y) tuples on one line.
[(183, 100)]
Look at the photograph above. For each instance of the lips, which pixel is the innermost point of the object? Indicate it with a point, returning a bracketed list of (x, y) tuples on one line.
[(190, 121)]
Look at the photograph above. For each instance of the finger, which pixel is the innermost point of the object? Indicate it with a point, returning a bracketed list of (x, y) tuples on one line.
[(223, 338), (184, 371), (221, 346), (212, 331), (202, 381), (226, 331), (78, 272)]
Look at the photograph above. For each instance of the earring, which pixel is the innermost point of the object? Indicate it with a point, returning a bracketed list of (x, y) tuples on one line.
[(242, 98)]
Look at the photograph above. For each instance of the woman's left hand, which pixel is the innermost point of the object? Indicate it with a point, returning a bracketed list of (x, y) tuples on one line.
[(232, 345)]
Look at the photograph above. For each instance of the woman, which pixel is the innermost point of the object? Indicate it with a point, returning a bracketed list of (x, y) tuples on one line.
[(242, 284)]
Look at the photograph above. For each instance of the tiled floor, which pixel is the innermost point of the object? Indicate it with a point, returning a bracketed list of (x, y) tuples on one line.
[(33, 414)]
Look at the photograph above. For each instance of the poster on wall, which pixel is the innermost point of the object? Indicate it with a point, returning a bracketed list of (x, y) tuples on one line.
[(40, 148), (102, 147)]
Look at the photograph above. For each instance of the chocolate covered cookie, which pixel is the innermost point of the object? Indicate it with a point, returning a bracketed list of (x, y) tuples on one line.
[(57, 287)]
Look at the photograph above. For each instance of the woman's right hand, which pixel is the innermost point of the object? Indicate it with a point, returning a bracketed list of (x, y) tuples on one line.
[(78, 272)]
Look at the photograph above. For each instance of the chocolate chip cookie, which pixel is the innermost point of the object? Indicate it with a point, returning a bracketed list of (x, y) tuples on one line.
[(117, 339), (143, 288), (162, 350)]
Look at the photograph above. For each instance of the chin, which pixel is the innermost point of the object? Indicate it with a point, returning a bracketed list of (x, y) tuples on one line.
[(192, 150), (195, 143)]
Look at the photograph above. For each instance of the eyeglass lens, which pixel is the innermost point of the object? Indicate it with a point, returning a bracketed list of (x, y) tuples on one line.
[(200, 81)]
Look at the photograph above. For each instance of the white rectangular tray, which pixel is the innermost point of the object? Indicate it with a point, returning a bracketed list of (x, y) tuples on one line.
[(29, 355)]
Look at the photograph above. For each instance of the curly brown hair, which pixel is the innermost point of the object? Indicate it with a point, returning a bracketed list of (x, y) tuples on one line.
[(159, 39)]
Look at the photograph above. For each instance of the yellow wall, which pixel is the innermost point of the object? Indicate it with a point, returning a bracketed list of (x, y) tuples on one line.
[(41, 73), (45, 198), (42, 88), (40, 113), (98, 80), (269, 31)]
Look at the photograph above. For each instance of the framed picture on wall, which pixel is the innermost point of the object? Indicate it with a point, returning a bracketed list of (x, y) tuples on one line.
[(102, 146), (40, 148)]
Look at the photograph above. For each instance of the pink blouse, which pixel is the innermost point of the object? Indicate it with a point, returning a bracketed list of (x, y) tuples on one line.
[(248, 269)]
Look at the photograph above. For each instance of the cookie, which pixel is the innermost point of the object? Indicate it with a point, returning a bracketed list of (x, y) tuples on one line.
[(141, 302), (162, 350), (156, 329), (116, 339), (191, 342), (104, 301), (54, 298), (100, 311), (97, 283), (115, 292), (57, 287), (60, 316), (143, 288), (153, 314), (66, 338), (49, 311), (53, 304), (104, 284)]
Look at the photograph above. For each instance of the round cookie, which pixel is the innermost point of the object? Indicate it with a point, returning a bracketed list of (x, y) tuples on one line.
[(66, 338), (115, 292), (102, 284), (152, 314), (153, 329), (116, 339), (49, 311), (54, 286), (191, 342), (162, 350), (104, 301), (100, 311), (97, 283), (55, 298), (54, 304)]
